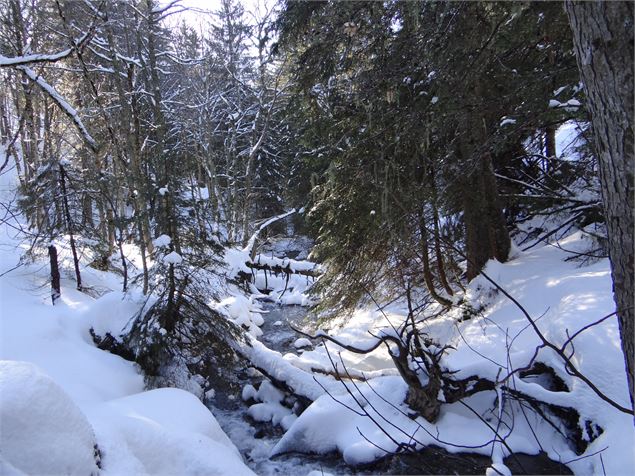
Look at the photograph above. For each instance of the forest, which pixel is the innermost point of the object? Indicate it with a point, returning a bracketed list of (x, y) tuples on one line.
[(286, 237)]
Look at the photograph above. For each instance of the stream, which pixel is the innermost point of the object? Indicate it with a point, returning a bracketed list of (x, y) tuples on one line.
[(255, 440)]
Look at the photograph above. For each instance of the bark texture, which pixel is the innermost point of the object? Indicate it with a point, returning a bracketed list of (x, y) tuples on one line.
[(603, 38), (486, 234), (56, 292)]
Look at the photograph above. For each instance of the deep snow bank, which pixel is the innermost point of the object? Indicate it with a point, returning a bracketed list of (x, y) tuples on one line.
[(82, 396)]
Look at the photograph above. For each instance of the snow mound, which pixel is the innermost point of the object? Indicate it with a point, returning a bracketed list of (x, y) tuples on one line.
[(173, 258), (163, 240), (302, 343), (164, 431), (112, 312), (328, 425), (43, 430)]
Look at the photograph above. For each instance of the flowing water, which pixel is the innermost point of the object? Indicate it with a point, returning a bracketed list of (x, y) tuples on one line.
[(255, 440)]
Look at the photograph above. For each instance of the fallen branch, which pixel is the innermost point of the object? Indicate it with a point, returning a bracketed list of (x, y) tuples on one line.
[(280, 269), (249, 248)]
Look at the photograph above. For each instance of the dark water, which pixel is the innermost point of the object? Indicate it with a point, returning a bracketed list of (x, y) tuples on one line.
[(277, 332)]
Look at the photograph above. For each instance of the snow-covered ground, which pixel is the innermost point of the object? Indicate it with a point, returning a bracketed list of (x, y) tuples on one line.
[(561, 296), (67, 407)]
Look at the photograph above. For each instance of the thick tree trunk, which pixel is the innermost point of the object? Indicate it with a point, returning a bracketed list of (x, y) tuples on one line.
[(486, 234), (603, 38)]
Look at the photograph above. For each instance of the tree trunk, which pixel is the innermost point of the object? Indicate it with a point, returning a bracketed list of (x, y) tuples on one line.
[(427, 272), (69, 228), (437, 238), (550, 147), (56, 291), (486, 234), (603, 39)]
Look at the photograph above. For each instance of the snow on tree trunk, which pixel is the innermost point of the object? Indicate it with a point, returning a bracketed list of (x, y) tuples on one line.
[(603, 38)]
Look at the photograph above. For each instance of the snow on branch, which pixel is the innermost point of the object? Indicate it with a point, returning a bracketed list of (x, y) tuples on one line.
[(252, 241), (36, 58), (16, 61), (285, 265), (69, 110)]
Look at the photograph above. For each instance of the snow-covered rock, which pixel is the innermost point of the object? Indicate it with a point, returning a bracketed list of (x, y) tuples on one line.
[(302, 343), (42, 431)]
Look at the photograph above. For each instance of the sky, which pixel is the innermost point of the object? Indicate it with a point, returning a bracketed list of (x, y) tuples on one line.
[(195, 16)]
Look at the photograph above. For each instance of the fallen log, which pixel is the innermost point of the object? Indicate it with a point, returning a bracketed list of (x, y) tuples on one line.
[(279, 269)]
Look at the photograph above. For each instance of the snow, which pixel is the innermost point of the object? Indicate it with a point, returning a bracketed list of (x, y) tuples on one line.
[(52, 374), (162, 241), (60, 395), (507, 121), (236, 261), (79, 389), (571, 105), (165, 431), (254, 237), (278, 367), (302, 343), (283, 288), (173, 258), (567, 297), (292, 264), (242, 311), (568, 137), (113, 312), (43, 430), (270, 408), (61, 102), (34, 58)]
